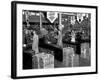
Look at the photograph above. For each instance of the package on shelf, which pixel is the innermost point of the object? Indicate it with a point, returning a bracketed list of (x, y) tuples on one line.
[(85, 51), (70, 59), (43, 61)]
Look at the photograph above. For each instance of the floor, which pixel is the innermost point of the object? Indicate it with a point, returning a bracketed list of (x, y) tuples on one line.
[(82, 62)]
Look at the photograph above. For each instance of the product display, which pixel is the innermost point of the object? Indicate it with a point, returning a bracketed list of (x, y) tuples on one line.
[(43, 60), (85, 51), (70, 59)]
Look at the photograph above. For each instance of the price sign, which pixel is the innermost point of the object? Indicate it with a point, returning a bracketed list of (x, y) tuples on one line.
[(52, 16)]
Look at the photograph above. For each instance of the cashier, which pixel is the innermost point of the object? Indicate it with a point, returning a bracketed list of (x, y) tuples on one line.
[(59, 42), (35, 42)]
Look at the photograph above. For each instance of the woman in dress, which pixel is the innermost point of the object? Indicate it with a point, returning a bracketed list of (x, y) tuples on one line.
[(35, 42)]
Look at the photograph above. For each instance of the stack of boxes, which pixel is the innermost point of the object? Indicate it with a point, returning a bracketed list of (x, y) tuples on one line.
[(85, 51), (43, 60), (70, 59)]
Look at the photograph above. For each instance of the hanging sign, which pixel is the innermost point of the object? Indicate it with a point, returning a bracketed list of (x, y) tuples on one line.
[(79, 17), (52, 16)]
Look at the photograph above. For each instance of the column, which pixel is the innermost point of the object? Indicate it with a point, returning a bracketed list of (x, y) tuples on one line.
[(40, 20)]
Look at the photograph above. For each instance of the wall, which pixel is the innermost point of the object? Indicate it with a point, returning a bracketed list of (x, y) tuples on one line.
[(5, 39)]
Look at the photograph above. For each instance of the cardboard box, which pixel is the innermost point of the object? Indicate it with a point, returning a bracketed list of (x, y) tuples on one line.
[(85, 51), (43, 60), (70, 59)]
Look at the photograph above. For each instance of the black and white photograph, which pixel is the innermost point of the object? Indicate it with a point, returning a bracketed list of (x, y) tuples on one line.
[(56, 39), (53, 39)]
